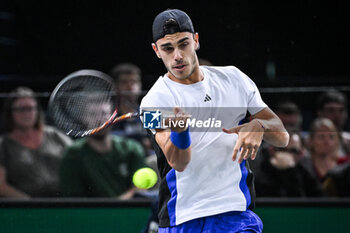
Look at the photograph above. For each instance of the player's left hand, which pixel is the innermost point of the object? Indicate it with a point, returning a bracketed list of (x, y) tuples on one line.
[(250, 136)]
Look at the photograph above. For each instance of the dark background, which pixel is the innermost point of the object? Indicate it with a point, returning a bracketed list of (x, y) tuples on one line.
[(277, 43)]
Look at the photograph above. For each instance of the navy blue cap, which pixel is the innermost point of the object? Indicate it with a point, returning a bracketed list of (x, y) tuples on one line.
[(180, 20)]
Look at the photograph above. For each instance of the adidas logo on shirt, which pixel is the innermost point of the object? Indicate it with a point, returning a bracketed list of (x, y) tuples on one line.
[(207, 98)]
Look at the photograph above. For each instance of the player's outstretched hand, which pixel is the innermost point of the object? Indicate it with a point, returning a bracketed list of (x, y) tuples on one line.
[(250, 136)]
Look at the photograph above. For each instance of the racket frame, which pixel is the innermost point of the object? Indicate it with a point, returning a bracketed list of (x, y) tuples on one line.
[(113, 118)]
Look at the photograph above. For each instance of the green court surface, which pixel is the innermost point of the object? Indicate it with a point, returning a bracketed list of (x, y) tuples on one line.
[(72, 220), (110, 216)]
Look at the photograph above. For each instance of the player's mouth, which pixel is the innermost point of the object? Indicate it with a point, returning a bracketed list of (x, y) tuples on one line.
[(180, 67)]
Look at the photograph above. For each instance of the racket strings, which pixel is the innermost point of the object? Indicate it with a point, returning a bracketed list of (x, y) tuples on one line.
[(82, 104)]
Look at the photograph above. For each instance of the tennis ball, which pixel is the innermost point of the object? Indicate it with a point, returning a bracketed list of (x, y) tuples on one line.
[(145, 178)]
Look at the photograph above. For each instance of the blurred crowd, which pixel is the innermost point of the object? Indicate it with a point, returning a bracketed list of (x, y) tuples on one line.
[(316, 162), (38, 160)]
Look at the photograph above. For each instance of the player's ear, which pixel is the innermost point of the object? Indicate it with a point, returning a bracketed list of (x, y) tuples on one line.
[(196, 40), (155, 49)]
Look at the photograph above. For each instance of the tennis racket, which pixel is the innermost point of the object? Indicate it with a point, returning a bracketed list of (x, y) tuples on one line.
[(83, 103)]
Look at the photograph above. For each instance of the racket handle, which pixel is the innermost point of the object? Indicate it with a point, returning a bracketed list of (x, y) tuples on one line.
[(126, 116)]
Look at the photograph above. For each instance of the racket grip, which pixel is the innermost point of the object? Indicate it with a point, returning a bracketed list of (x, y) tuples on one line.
[(136, 114)]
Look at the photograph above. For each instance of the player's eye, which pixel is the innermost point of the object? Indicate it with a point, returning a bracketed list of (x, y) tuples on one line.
[(168, 49), (184, 45)]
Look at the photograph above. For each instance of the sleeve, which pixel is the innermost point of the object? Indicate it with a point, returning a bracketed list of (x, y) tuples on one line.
[(159, 98), (254, 100), (70, 175)]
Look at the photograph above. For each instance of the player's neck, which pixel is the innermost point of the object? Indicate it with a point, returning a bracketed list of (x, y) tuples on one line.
[(196, 76)]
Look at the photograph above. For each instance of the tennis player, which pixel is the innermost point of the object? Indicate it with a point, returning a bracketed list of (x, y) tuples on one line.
[(206, 184)]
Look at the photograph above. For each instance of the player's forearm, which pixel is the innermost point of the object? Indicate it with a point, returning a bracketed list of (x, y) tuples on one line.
[(275, 133), (177, 158)]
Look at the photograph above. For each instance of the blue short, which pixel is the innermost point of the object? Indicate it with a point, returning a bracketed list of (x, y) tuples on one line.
[(230, 222)]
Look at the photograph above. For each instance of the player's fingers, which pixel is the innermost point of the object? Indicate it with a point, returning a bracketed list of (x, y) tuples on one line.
[(235, 129), (236, 149), (244, 153), (226, 130), (248, 153), (232, 130), (176, 110), (180, 115), (254, 152), (234, 155)]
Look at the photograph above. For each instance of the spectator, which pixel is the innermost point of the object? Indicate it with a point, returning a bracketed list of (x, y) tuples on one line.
[(289, 113), (30, 151), (324, 143), (127, 78), (281, 174), (333, 105), (337, 182), (101, 165)]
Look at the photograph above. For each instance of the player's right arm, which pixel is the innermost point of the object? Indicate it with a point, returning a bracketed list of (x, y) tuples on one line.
[(175, 144)]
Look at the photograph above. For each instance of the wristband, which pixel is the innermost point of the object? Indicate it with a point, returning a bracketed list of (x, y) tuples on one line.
[(181, 140)]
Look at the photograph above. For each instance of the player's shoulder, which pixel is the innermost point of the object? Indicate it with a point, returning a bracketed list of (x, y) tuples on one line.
[(224, 71), (158, 93), (159, 86), (232, 76)]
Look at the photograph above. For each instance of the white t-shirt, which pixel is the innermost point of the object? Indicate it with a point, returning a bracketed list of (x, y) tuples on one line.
[(211, 183)]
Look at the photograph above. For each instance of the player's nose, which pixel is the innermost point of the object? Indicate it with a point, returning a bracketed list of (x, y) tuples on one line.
[(178, 55)]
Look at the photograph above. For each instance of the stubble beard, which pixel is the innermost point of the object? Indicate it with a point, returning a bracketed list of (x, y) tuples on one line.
[(193, 63)]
